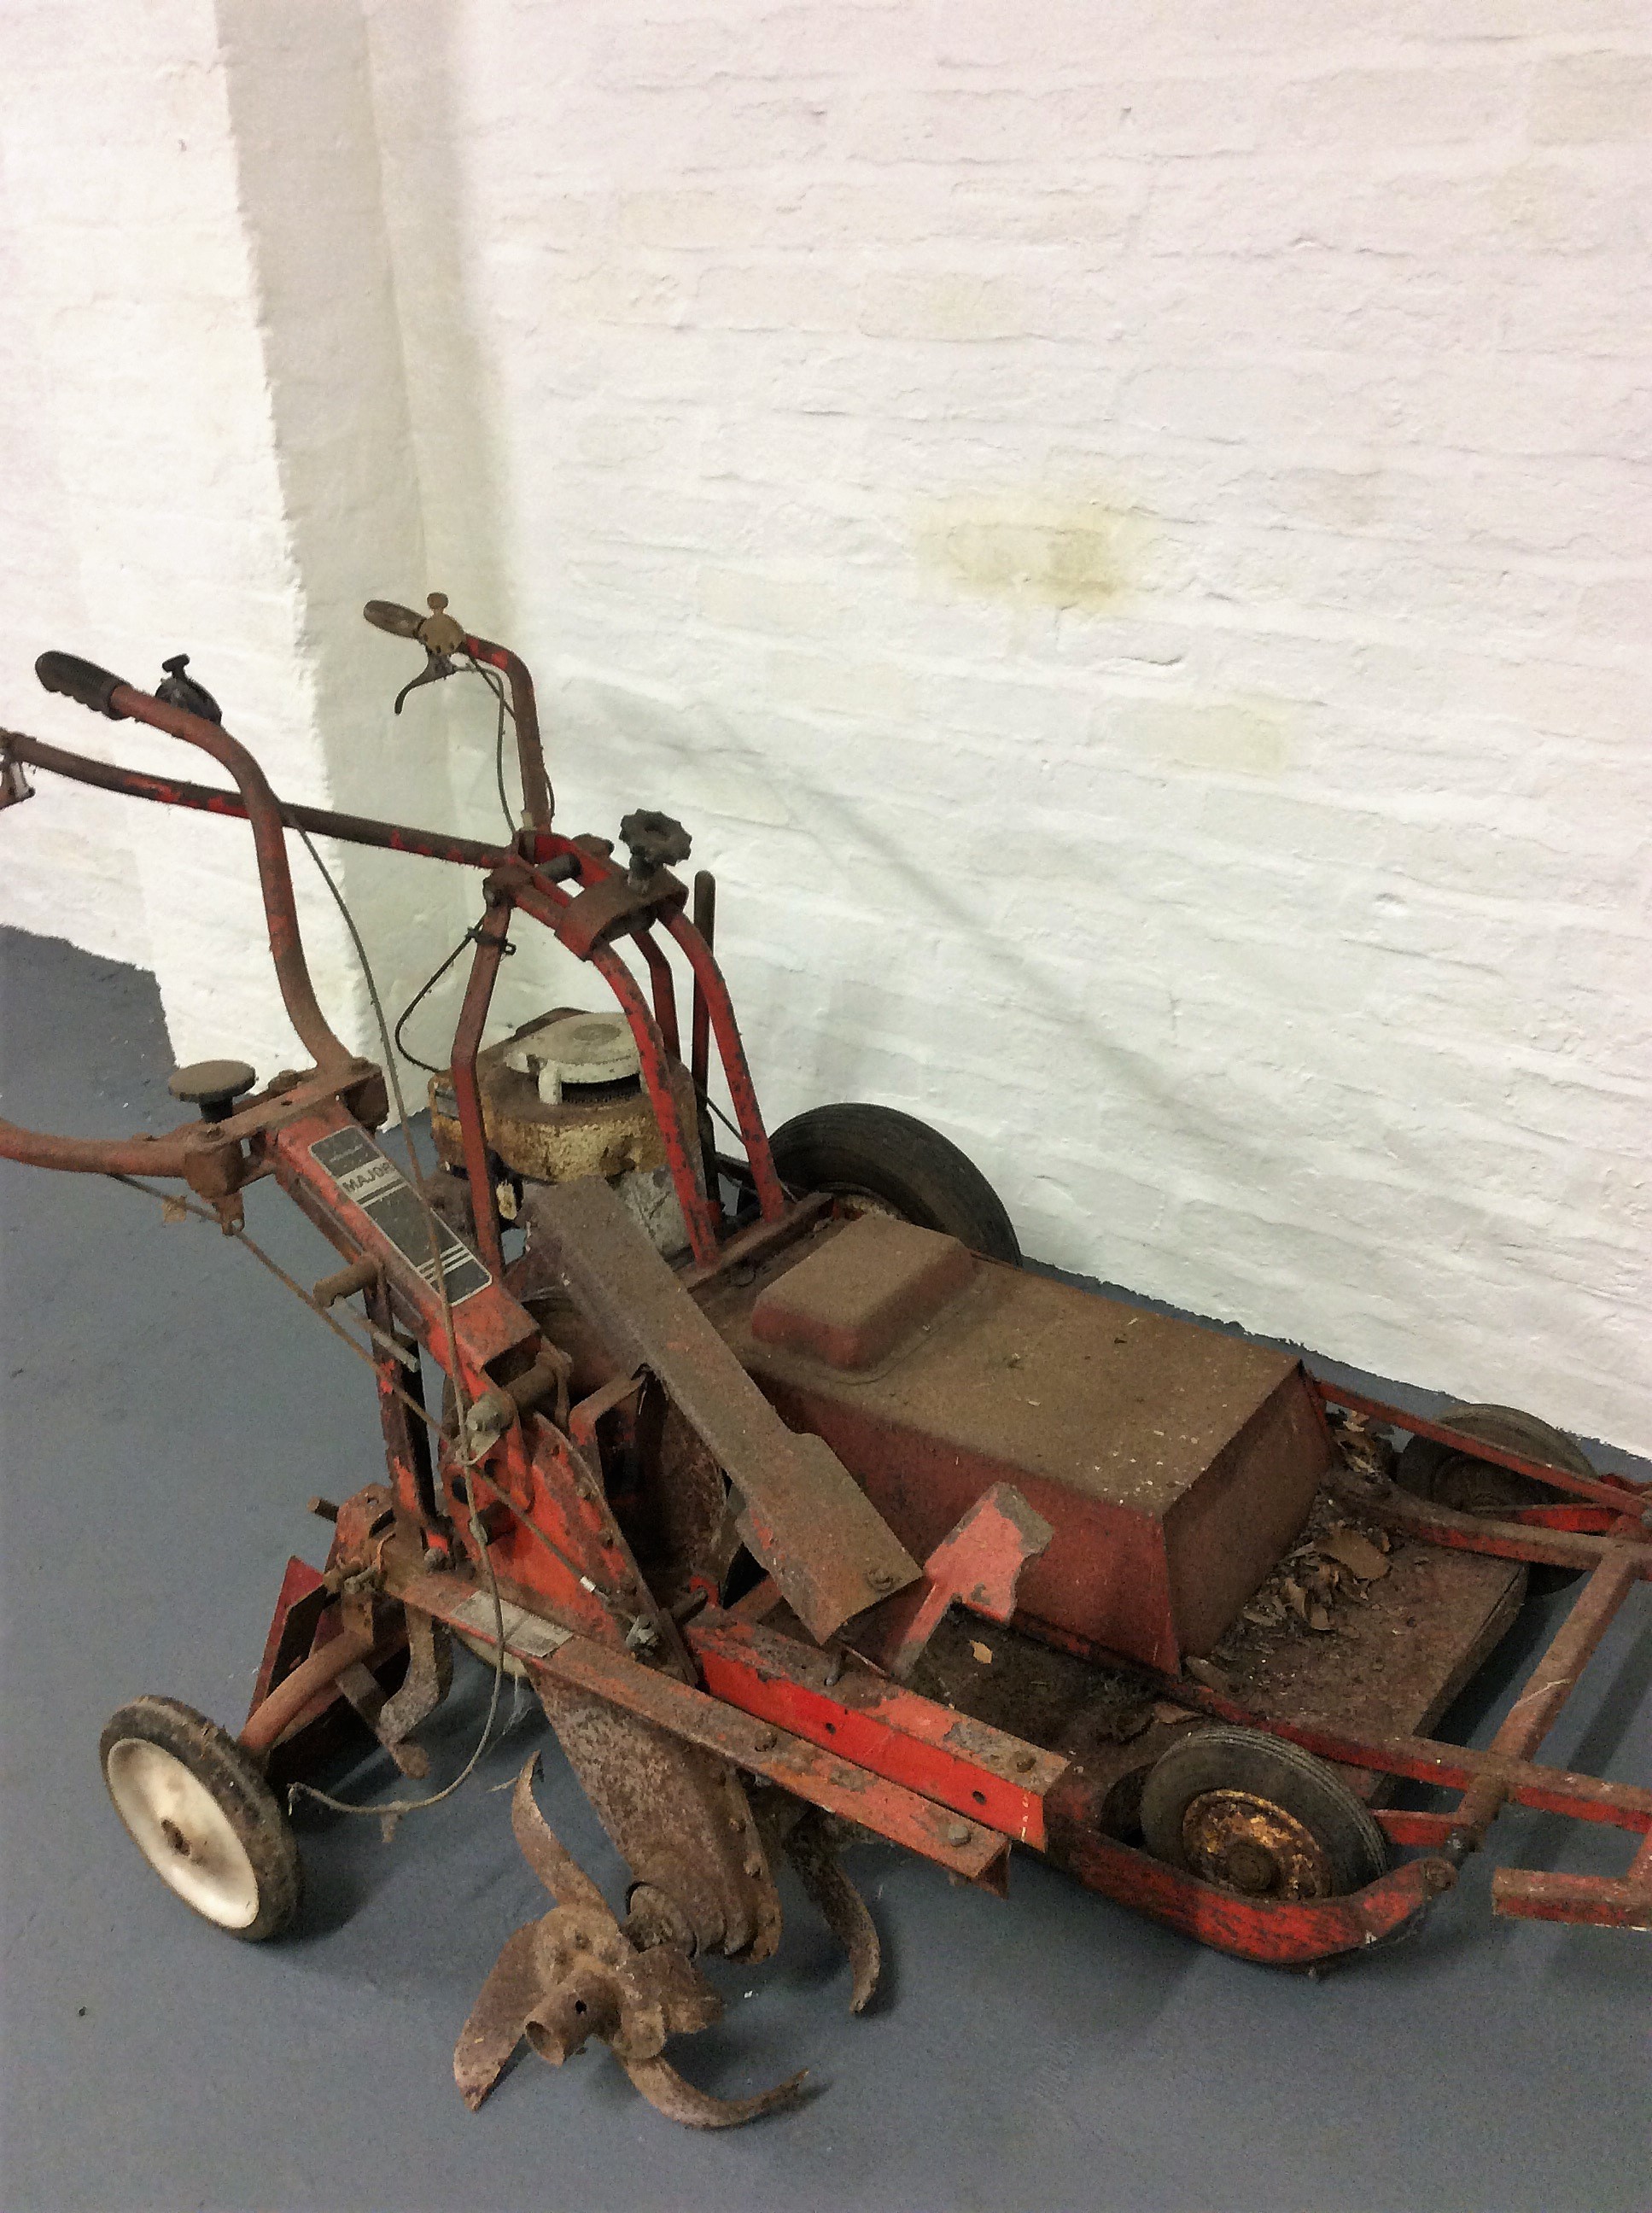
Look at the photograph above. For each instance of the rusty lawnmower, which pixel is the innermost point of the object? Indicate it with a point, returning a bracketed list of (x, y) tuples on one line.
[(735, 1455)]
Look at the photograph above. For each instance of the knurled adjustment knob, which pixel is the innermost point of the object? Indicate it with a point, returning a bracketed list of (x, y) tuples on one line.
[(214, 1086), (653, 842)]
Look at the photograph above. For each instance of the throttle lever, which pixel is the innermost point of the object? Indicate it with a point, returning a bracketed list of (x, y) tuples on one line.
[(438, 632), (181, 691)]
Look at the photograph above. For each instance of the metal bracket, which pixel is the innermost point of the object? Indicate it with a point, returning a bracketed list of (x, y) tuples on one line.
[(15, 786), (979, 1563)]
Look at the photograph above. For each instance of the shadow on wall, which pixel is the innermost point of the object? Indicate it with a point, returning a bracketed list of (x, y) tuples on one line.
[(650, 735), (411, 59), (387, 423), (354, 471)]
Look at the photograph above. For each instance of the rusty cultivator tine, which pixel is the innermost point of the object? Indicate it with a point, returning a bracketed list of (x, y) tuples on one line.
[(667, 2092), (558, 1871), (575, 1974), (810, 1849)]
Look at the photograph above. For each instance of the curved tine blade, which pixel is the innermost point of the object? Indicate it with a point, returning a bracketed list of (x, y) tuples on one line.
[(812, 1852), (499, 2016), (544, 1851), (667, 2092)]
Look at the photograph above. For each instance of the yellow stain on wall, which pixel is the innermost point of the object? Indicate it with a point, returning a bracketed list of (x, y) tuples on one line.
[(1032, 551)]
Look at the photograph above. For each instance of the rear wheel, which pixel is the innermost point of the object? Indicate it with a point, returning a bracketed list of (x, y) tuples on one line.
[(879, 1160), (1449, 1477), (1255, 1815), (199, 1810)]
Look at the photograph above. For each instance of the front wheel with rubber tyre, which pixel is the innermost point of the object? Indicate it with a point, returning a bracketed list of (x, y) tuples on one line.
[(199, 1810), (1446, 1477), (887, 1162), (1252, 1813)]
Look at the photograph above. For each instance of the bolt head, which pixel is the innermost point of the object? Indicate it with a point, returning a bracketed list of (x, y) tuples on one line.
[(958, 1833)]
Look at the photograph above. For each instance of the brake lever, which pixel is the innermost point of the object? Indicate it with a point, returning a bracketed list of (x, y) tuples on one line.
[(436, 666)]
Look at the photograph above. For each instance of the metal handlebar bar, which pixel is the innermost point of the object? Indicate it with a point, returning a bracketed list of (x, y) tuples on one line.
[(440, 634), (110, 695), (103, 692)]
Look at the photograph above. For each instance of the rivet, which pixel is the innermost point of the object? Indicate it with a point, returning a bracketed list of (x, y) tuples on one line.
[(958, 1834)]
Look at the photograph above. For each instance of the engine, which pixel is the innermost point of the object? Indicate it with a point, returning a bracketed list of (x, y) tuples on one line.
[(562, 1097)]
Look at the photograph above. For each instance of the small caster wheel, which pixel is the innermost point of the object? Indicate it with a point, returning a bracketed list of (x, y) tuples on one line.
[(1253, 1813), (199, 1810)]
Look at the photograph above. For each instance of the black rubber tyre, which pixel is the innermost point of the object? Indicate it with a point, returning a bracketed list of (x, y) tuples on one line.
[(199, 1810), (1435, 1472), (1256, 1815), (901, 1166)]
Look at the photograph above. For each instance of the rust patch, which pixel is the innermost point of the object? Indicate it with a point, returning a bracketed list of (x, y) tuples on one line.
[(857, 1295)]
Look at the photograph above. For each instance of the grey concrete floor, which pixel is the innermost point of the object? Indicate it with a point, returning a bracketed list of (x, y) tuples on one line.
[(167, 1410)]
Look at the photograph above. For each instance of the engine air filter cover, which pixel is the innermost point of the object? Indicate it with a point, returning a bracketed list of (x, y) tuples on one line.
[(581, 1052), (563, 1097)]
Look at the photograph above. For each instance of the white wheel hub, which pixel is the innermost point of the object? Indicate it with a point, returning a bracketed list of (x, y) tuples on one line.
[(183, 1832)]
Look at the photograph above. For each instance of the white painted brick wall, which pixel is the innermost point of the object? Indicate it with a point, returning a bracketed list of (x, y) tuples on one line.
[(142, 503), (1122, 530)]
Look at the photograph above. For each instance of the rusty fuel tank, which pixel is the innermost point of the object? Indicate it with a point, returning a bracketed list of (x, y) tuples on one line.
[(1175, 1463)]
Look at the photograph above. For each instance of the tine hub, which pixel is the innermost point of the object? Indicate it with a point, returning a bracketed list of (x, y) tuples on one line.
[(575, 1974)]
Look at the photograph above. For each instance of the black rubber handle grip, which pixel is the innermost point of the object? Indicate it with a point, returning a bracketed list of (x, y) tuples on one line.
[(80, 680), (385, 614)]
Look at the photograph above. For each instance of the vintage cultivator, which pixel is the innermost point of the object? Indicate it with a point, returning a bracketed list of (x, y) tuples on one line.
[(734, 1458)]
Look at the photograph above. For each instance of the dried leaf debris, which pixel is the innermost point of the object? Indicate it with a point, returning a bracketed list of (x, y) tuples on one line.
[(1329, 1570)]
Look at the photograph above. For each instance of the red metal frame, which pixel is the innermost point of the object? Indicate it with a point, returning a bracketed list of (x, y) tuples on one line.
[(1614, 1491), (847, 1740), (907, 1739), (537, 798), (491, 942), (517, 880)]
